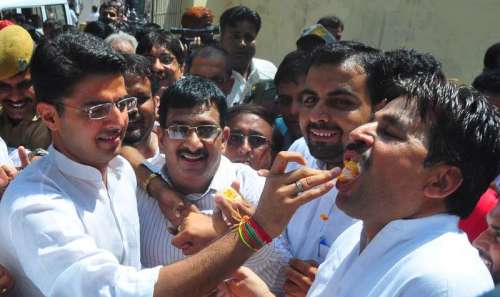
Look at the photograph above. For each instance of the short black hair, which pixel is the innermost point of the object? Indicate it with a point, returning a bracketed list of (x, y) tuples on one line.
[(99, 29), (332, 22), (208, 52), (191, 91), (371, 59), (462, 130), (137, 65), (292, 67), (492, 57), (406, 63), (257, 110), (488, 82), (52, 28), (116, 4), (161, 38), (59, 64), (234, 15)]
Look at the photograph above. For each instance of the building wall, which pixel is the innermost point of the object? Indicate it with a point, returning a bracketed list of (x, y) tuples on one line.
[(457, 32)]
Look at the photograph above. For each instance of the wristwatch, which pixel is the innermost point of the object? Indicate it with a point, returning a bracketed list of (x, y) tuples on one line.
[(154, 172)]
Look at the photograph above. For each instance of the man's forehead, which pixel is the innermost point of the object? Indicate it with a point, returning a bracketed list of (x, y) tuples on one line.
[(403, 112), (201, 112), (243, 26), (22, 76)]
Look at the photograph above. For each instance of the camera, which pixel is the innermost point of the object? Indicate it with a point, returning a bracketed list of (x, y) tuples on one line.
[(187, 35)]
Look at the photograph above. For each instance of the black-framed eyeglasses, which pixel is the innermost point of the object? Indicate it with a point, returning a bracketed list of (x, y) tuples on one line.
[(205, 132), (254, 140), (101, 110), (165, 58)]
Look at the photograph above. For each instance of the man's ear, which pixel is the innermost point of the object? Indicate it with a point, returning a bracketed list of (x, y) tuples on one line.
[(161, 134), (443, 181), (225, 136), (49, 115), (156, 100)]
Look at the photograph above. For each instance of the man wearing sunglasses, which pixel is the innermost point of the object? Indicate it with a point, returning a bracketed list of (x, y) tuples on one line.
[(69, 224), (251, 137), (192, 120)]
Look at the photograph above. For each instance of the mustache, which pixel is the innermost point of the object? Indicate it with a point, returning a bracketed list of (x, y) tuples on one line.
[(15, 101), (201, 152), (324, 126)]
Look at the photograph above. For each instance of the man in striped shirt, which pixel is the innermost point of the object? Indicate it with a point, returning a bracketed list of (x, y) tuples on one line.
[(192, 134)]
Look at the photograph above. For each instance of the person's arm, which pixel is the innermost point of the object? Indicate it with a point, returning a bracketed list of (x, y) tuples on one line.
[(170, 202), (202, 272)]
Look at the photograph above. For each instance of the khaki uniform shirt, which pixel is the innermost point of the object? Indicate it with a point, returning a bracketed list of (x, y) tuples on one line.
[(31, 132)]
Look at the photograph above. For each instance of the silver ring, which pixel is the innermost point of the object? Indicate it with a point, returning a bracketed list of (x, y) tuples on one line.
[(3, 291), (299, 187)]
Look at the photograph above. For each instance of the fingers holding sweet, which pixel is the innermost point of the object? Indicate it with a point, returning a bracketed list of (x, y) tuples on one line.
[(282, 159), (286, 192)]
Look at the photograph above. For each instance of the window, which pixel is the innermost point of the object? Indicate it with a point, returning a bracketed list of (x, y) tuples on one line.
[(56, 12)]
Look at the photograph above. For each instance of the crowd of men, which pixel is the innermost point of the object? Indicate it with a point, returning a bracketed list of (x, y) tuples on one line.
[(120, 146)]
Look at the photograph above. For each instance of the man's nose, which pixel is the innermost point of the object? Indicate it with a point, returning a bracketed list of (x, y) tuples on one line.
[(364, 134), (192, 141), (245, 147)]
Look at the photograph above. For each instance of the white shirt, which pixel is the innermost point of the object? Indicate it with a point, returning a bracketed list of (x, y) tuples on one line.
[(411, 258), (259, 70), (4, 154), (63, 233), (316, 224), (156, 244)]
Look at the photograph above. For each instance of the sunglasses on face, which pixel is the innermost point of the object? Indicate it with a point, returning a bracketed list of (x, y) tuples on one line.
[(238, 139), (205, 132), (100, 111)]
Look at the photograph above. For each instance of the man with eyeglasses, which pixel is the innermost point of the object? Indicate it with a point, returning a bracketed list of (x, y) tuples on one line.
[(69, 224), (192, 120), (251, 137)]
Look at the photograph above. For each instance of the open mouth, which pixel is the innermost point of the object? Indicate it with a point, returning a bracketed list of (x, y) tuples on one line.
[(110, 138), (325, 135), (17, 104), (355, 157), (242, 160), (193, 157)]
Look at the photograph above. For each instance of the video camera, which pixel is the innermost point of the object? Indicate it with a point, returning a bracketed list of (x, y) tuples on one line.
[(188, 35)]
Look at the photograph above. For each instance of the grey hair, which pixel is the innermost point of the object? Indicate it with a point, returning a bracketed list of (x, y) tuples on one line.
[(121, 36)]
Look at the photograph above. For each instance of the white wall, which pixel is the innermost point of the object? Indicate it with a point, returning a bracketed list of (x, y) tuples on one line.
[(457, 32)]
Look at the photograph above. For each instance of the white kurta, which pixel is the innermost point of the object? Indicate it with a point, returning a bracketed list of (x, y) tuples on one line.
[(259, 70), (411, 258), (316, 224), (64, 233)]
